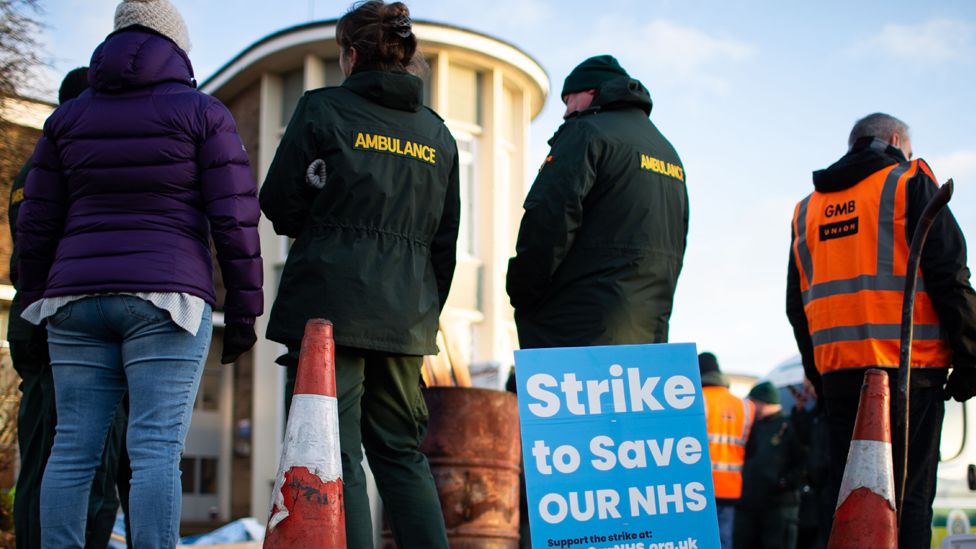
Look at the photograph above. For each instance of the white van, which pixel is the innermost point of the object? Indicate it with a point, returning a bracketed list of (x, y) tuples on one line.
[(955, 495)]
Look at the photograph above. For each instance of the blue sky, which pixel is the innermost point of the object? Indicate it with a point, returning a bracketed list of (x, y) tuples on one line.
[(754, 96)]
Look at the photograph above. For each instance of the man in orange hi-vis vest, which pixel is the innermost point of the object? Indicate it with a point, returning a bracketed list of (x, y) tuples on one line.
[(728, 420), (847, 270)]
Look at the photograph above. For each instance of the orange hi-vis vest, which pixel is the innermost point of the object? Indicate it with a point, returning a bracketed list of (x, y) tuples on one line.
[(851, 250), (728, 420)]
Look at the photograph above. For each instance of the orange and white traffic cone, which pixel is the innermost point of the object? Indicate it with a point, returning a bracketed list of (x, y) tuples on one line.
[(306, 504), (865, 514)]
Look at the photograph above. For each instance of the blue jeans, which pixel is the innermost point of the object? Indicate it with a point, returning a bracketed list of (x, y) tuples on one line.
[(101, 347), (726, 519)]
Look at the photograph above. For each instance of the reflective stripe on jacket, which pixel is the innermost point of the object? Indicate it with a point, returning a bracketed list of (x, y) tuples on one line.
[(728, 421), (851, 250)]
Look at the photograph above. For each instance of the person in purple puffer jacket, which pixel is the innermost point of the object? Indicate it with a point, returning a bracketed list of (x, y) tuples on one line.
[(130, 182)]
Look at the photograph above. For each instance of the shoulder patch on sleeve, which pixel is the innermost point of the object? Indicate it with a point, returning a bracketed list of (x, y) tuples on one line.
[(545, 162)]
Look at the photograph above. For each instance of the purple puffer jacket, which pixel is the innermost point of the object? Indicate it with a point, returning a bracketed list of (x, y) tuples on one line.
[(132, 178)]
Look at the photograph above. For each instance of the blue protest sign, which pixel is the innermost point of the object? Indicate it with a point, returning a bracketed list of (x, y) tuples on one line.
[(615, 448)]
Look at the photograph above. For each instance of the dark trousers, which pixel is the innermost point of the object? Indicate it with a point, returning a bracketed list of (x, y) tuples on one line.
[(812, 511), (382, 409), (926, 409), (770, 527), (36, 422)]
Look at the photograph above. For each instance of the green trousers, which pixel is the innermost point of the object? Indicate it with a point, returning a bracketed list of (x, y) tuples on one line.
[(382, 410), (771, 527), (36, 422)]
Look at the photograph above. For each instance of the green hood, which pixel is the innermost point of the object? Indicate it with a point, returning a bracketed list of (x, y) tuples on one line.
[(621, 93), (397, 90)]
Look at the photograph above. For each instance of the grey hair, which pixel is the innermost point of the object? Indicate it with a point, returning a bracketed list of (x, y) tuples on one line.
[(879, 125)]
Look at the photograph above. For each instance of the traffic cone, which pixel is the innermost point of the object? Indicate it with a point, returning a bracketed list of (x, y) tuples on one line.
[(306, 504), (865, 514)]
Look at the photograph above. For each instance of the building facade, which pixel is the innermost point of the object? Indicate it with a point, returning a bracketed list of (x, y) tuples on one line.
[(488, 92)]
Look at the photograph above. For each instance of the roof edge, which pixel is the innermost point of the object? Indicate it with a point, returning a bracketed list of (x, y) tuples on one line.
[(332, 22)]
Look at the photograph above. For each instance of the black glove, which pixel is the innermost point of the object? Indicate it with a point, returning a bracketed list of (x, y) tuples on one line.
[(961, 384), (238, 339)]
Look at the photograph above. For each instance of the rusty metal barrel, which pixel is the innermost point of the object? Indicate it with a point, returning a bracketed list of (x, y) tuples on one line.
[(474, 450)]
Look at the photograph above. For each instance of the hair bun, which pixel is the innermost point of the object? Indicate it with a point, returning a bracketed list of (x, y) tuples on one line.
[(381, 33), (403, 26)]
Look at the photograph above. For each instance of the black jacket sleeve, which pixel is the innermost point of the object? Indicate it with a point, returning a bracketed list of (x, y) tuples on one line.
[(944, 269), (553, 213), (798, 319), (16, 197), (443, 248), (285, 196), (18, 329)]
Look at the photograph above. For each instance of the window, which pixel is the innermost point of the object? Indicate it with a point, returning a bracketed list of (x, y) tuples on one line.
[(292, 88), (425, 75), (511, 115), (467, 171), (208, 476), (188, 468), (333, 73), (953, 430), (199, 476), (464, 103), (208, 396)]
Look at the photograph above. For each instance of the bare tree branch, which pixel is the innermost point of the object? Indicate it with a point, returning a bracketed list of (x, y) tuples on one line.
[(19, 47)]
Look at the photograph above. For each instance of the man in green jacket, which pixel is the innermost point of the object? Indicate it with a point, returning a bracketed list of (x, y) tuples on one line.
[(603, 236), (767, 515)]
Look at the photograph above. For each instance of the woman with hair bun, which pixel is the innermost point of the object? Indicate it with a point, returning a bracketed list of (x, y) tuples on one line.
[(366, 180)]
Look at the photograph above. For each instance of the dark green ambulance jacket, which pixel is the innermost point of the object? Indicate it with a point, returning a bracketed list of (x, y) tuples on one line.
[(603, 236), (18, 329), (375, 250)]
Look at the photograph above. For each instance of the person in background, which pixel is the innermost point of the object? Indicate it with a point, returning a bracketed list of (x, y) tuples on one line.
[(375, 252), (37, 417), (766, 516), (728, 420), (848, 259), (131, 181), (811, 429)]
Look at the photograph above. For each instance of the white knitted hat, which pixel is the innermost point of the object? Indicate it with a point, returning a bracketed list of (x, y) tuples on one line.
[(158, 15)]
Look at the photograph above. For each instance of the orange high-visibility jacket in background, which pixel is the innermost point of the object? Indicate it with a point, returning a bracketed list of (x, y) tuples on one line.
[(728, 421), (851, 250)]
